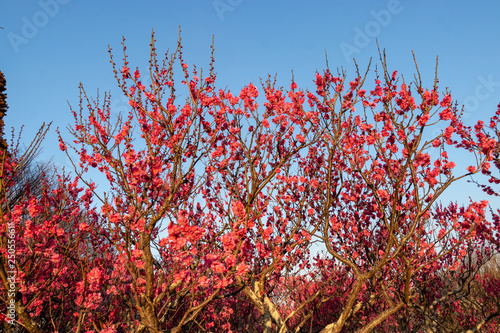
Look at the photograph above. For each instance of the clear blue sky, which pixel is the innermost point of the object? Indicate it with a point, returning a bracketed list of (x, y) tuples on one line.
[(47, 47)]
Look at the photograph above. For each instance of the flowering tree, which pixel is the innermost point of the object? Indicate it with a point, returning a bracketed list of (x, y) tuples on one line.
[(286, 210), (60, 251), (388, 174)]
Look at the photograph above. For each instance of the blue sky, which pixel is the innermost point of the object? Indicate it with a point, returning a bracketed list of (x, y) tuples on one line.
[(47, 47)]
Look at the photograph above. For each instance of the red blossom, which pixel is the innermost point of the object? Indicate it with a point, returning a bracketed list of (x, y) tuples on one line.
[(212, 222)]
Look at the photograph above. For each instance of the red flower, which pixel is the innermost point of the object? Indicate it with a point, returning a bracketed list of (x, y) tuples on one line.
[(265, 123), (446, 114), (423, 120), (125, 72), (471, 169)]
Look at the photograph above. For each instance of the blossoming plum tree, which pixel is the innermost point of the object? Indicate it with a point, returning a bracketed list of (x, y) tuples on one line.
[(388, 175), (286, 210)]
